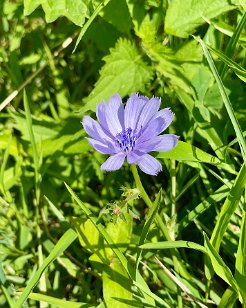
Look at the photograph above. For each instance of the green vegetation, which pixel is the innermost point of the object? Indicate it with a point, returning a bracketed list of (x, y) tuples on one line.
[(72, 235)]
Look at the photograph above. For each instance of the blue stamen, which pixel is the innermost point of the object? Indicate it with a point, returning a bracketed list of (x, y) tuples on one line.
[(126, 140)]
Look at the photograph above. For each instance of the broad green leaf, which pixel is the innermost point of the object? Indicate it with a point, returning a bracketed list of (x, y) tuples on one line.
[(44, 128), (121, 231), (69, 144), (76, 11), (240, 2), (219, 266), (30, 6), (183, 17), (6, 141), (167, 63), (117, 13), (116, 286), (124, 72), (187, 152), (64, 242), (201, 81), (88, 234)]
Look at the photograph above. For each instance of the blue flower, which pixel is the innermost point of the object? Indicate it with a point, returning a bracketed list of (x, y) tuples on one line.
[(130, 132)]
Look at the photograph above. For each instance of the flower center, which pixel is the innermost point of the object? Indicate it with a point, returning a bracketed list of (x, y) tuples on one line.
[(126, 140)]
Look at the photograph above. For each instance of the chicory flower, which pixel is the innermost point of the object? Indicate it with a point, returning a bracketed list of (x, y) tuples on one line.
[(130, 132)]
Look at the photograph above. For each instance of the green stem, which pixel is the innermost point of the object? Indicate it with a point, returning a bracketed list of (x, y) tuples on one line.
[(148, 202)]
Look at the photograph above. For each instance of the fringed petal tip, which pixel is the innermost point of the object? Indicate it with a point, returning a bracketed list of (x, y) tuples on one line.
[(148, 164)]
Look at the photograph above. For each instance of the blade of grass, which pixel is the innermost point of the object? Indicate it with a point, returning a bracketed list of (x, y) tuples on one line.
[(226, 100), (224, 216), (87, 24), (3, 166), (179, 283), (228, 299), (174, 244), (54, 209), (240, 272), (57, 302), (151, 216), (64, 242), (228, 208), (232, 43), (217, 196), (36, 157), (239, 71), (219, 266)]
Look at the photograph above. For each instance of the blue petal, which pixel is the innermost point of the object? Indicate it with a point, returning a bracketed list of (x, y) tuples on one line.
[(167, 142), (149, 165), (114, 115), (101, 147), (134, 156), (94, 129), (111, 116), (161, 143), (166, 115), (114, 162), (149, 110), (101, 114), (133, 108), (150, 131)]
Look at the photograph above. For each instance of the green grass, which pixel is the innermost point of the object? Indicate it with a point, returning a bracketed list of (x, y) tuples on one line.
[(74, 236)]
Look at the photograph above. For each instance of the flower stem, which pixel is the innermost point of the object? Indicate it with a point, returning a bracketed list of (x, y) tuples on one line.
[(148, 202)]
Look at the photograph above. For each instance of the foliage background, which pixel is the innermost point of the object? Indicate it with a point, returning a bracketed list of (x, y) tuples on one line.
[(69, 55)]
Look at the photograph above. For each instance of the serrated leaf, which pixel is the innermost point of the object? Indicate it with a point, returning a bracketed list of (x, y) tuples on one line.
[(183, 17), (76, 11), (124, 72)]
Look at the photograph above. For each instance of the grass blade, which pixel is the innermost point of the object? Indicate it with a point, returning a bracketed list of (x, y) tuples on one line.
[(151, 216), (226, 100), (217, 196), (240, 273), (232, 43), (239, 71), (173, 244), (219, 266), (87, 24), (228, 208), (64, 242), (36, 157)]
